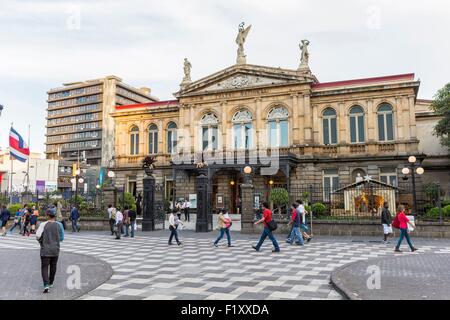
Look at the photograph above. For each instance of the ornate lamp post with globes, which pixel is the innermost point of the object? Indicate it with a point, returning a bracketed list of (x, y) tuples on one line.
[(414, 167)]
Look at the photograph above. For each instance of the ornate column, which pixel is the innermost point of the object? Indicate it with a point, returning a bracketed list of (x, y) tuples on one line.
[(148, 223), (202, 203), (308, 119), (295, 119), (342, 123), (247, 217), (371, 121)]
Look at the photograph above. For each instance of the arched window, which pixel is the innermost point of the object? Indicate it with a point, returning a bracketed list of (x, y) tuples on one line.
[(385, 123), (172, 137), (153, 139), (357, 131), (210, 132), (242, 130), (134, 141), (329, 127), (278, 127)]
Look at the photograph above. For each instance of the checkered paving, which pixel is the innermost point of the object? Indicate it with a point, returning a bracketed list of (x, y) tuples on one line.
[(146, 268)]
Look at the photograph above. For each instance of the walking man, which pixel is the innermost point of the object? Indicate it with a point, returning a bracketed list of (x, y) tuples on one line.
[(126, 221), (49, 235), (266, 219), (112, 220), (296, 222), (74, 217), (119, 223), (174, 221), (386, 221), (186, 207), (5, 215), (132, 218)]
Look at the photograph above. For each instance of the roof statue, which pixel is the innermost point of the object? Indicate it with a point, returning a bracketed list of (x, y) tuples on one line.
[(304, 65), (240, 41), (187, 73)]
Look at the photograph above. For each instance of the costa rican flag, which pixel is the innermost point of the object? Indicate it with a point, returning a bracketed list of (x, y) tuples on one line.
[(19, 148)]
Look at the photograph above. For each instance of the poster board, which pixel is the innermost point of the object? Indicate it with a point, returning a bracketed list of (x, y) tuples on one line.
[(193, 201), (412, 219)]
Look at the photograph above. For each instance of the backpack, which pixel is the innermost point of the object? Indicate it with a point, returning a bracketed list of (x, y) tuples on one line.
[(228, 223), (396, 223)]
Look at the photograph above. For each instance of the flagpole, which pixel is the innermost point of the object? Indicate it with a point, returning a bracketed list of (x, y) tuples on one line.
[(11, 158), (28, 162)]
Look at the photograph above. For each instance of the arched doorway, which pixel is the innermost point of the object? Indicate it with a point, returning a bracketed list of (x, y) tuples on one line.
[(226, 191)]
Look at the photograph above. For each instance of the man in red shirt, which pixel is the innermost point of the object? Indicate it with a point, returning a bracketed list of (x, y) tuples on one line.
[(267, 217)]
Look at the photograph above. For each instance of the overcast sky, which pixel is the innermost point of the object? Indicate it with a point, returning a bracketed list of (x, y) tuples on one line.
[(46, 43)]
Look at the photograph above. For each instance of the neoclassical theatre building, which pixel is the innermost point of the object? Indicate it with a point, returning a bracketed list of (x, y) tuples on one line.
[(293, 130)]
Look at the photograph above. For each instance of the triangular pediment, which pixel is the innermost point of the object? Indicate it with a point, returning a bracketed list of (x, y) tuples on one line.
[(241, 77)]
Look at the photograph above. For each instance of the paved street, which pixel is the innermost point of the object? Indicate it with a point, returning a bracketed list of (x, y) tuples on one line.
[(411, 277), (146, 268)]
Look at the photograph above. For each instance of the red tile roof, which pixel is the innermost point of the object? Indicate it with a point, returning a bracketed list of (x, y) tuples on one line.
[(147, 105), (367, 81)]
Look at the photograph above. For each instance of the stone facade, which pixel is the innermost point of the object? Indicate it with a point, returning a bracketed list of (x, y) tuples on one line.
[(314, 148)]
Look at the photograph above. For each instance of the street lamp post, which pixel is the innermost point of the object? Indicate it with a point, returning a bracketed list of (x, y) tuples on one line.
[(414, 167)]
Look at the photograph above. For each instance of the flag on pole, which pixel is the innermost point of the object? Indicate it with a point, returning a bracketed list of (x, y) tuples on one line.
[(19, 148)]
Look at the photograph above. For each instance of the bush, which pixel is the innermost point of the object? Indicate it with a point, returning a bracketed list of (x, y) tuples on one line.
[(13, 208), (129, 201), (445, 203), (318, 208), (428, 207), (433, 213), (446, 211)]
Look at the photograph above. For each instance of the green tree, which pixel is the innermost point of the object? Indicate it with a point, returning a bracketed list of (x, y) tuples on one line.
[(441, 106), (279, 197)]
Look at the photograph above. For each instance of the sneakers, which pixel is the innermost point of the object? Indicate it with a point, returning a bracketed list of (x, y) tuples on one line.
[(276, 251), (397, 250), (216, 245), (309, 239), (414, 249), (46, 289), (230, 246), (254, 247), (180, 244)]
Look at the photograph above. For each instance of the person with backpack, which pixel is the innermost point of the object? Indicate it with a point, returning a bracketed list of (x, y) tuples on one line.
[(223, 224), (401, 222), (386, 221), (49, 235), (132, 215), (26, 223), (74, 217), (269, 226), (34, 219), (296, 222), (5, 215)]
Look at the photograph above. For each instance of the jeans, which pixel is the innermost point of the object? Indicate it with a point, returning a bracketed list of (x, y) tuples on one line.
[(75, 227), (267, 233), (173, 233), (46, 264), (127, 228), (15, 225), (296, 233), (404, 234), (224, 231), (118, 230), (112, 223)]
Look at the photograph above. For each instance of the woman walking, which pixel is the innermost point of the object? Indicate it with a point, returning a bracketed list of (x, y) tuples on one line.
[(401, 222), (174, 221), (224, 225)]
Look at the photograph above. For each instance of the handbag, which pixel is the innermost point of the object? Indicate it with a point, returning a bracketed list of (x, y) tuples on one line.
[(272, 225)]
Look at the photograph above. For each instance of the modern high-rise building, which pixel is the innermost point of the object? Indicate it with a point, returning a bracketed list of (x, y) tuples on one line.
[(79, 126)]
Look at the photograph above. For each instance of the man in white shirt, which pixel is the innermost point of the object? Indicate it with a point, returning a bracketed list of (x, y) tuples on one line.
[(119, 223), (112, 220), (186, 207)]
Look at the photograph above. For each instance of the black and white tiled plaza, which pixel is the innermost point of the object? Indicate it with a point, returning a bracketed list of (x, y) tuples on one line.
[(146, 268)]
